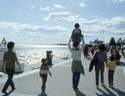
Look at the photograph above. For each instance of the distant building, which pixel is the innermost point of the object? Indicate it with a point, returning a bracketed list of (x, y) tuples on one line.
[(96, 41), (122, 41)]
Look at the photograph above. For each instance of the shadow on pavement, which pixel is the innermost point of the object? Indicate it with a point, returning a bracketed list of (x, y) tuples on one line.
[(122, 63), (8, 93), (104, 94), (79, 93), (120, 93), (42, 94), (110, 93)]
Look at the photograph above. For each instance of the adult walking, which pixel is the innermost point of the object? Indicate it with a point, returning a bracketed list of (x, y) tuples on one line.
[(9, 60), (100, 66), (77, 67), (92, 50), (85, 51)]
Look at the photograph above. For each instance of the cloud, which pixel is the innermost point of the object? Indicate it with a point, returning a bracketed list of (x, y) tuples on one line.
[(59, 6), (95, 26), (46, 8), (118, 0), (114, 1), (107, 2), (61, 17), (29, 28), (112, 27), (31, 33), (91, 29), (82, 4), (32, 7)]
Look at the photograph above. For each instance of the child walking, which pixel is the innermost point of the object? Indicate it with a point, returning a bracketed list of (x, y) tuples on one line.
[(111, 65), (76, 36), (44, 71)]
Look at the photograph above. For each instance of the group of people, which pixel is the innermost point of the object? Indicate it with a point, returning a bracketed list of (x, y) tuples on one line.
[(100, 66), (77, 68), (87, 50), (101, 55)]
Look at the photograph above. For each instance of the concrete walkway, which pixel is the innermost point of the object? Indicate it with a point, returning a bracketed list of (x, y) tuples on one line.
[(60, 84)]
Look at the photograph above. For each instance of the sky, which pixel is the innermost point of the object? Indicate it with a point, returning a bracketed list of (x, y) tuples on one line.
[(52, 21)]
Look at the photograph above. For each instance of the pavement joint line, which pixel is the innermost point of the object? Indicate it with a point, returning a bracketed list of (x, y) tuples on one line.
[(62, 63), (31, 72)]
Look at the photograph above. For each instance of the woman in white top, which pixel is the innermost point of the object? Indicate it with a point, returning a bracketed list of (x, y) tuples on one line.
[(77, 67)]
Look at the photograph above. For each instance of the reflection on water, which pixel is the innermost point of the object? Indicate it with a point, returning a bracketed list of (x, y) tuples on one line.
[(32, 54)]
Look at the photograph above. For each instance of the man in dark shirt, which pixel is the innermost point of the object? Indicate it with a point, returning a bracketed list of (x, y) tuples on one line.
[(9, 60)]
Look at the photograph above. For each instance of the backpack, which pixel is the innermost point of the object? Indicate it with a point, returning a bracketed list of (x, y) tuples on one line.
[(76, 37)]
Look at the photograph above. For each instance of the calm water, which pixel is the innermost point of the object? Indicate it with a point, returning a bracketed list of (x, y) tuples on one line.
[(32, 54)]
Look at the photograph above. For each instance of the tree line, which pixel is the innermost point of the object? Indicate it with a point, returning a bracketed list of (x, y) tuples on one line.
[(114, 43)]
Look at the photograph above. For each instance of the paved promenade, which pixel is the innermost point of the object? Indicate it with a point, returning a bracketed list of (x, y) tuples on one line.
[(60, 84)]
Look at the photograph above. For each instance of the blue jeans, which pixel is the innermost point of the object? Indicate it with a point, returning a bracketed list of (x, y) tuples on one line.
[(99, 67), (76, 77), (10, 73)]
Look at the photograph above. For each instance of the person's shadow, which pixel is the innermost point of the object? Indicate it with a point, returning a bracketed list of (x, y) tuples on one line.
[(110, 93), (8, 93), (122, 63), (120, 93), (103, 93), (42, 94), (79, 93)]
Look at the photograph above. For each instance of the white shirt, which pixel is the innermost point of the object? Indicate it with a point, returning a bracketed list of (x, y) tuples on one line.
[(76, 54)]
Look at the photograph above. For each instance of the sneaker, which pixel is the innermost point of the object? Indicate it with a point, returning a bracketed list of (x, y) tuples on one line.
[(4, 92), (75, 89), (13, 89), (111, 85), (103, 84)]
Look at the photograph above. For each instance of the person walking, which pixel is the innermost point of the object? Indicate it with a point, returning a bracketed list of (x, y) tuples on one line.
[(92, 50), (9, 60), (117, 57), (100, 66), (44, 71), (77, 67), (85, 51), (111, 66)]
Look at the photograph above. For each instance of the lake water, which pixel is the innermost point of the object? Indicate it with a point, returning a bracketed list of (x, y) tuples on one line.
[(32, 54)]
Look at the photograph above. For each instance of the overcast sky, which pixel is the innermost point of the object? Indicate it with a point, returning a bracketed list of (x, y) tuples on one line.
[(52, 21)]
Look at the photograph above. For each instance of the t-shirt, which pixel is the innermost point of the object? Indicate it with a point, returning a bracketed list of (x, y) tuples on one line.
[(111, 65), (76, 54), (44, 69), (10, 58), (102, 56)]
